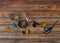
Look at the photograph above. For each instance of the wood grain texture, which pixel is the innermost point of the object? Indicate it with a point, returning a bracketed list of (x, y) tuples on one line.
[(38, 10)]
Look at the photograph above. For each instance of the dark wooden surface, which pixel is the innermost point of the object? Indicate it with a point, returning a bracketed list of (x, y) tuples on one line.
[(38, 10)]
